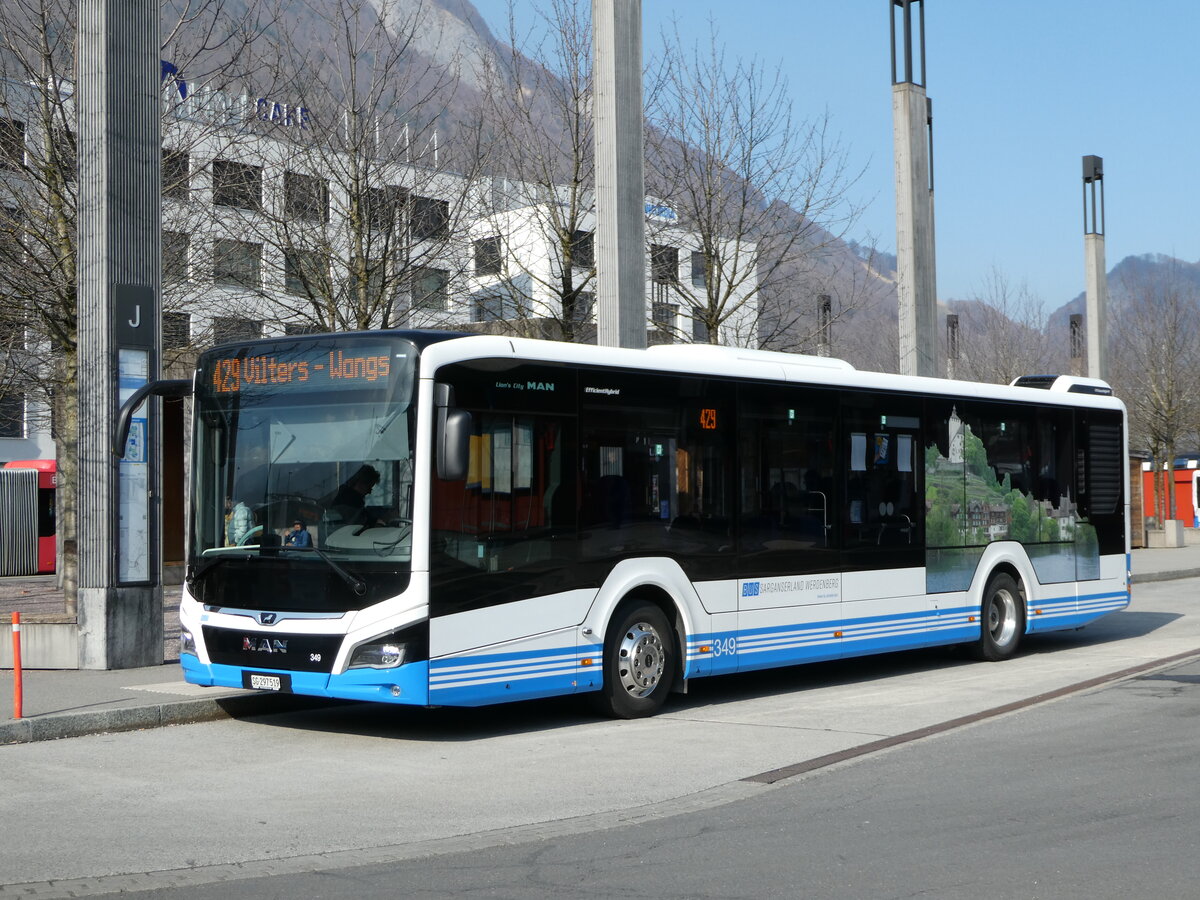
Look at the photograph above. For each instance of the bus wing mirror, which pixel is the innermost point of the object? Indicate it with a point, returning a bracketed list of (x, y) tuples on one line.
[(454, 444), (453, 435), (166, 388)]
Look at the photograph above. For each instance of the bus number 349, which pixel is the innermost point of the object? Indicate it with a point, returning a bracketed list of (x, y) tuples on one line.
[(726, 647)]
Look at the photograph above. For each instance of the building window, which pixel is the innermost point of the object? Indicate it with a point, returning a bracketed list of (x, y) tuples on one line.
[(175, 174), (176, 330), (11, 232), (430, 219), (366, 284), (175, 247), (382, 207), (236, 184), (585, 302), (12, 329), (12, 144), (237, 264), (700, 331), (304, 272), (487, 256), (583, 249), (663, 314), (233, 328), (664, 264), (12, 415), (700, 269), (491, 306), (429, 289), (305, 197), (64, 155)]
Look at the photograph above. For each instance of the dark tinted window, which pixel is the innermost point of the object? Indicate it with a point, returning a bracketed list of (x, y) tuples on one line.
[(881, 511), (508, 531), (657, 458), (790, 519)]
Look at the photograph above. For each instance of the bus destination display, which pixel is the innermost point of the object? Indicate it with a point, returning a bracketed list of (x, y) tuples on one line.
[(314, 370)]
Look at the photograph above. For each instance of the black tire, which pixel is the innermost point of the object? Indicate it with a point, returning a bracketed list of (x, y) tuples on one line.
[(639, 662), (1002, 619)]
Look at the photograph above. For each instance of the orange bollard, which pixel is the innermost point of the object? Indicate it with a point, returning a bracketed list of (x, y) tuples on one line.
[(16, 631)]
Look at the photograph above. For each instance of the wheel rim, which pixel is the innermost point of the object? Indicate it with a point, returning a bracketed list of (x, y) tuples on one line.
[(1002, 617), (640, 660)]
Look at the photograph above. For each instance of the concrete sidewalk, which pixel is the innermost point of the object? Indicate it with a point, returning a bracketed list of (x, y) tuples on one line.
[(66, 703)]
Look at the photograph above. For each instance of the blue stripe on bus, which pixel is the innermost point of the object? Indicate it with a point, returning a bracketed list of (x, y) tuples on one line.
[(374, 685), (492, 677)]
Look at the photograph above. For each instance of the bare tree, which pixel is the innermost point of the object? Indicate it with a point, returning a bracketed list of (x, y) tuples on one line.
[(763, 192), (538, 103), (1155, 365), (1002, 333), (38, 200), (342, 194)]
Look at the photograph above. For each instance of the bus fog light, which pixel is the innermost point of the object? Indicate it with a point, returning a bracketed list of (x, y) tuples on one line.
[(187, 643), (379, 655), (395, 690)]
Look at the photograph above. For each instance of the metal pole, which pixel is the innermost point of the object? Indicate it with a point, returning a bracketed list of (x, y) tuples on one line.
[(17, 686)]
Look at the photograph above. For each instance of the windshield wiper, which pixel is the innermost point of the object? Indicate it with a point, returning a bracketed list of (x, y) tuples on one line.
[(247, 551), (356, 584)]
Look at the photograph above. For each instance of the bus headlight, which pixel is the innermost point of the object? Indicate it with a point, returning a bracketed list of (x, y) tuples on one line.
[(380, 655), (187, 643), (391, 650)]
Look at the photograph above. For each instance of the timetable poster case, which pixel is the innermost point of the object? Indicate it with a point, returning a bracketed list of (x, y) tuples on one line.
[(133, 474)]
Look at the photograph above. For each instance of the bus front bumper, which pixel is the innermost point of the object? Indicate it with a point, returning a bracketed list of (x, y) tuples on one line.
[(407, 684)]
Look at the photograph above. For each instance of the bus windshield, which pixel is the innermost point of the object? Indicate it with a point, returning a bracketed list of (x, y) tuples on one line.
[(304, 451)]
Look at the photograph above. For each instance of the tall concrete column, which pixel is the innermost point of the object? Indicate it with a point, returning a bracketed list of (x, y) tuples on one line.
[(1094, 266), (120, 584), (620, 181), (912, 123)]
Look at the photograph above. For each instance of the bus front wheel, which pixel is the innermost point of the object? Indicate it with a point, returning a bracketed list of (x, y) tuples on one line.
[(1002, 617), (639, 662)]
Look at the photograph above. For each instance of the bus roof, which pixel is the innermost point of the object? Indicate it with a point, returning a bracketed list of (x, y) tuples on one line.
[(736, 362)]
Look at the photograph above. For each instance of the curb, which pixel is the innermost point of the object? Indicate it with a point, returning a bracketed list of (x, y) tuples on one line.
[(53, 726), (1166, 576)]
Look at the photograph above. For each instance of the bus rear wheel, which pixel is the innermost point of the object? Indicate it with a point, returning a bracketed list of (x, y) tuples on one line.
[(639, 662), (1002, 617)]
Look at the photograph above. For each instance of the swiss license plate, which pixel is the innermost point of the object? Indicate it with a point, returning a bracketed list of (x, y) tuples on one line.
[(260, 681)]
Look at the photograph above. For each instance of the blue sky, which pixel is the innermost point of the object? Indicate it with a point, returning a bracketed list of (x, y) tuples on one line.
[(1021, 90)]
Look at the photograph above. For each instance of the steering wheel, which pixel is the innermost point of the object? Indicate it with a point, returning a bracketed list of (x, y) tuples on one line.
[(253, 532)]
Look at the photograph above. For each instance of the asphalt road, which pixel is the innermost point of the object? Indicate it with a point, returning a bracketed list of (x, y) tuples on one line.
[(1094, 796), (540, 799)]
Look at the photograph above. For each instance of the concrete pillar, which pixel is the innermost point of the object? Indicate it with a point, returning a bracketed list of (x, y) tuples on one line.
[(912, 123), (120, 584), (1094, 266), (952, 347), (620, 182)]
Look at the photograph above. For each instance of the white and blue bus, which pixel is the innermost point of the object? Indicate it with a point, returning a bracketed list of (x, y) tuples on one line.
[(447, 520)]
